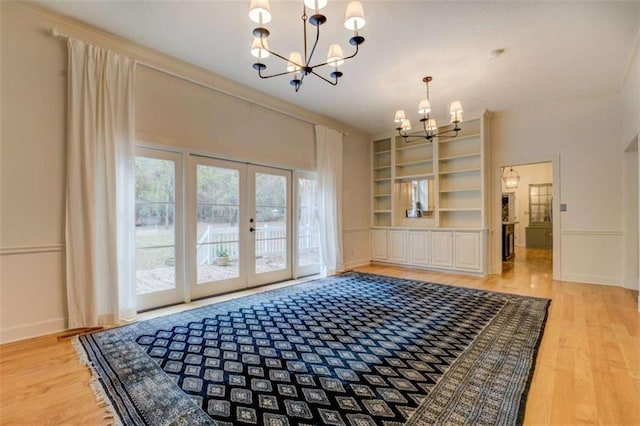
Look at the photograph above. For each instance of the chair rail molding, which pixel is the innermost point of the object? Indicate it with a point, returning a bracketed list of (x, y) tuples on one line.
[(31, 249)]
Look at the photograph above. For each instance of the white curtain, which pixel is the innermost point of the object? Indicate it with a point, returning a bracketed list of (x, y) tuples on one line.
[(329, 158), (100, 244)]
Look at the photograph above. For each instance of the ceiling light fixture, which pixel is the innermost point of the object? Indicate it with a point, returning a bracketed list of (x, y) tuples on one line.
[(510, 178), (429, 125), (297, 65)]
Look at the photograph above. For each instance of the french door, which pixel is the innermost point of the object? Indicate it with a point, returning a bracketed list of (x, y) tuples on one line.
[(238, 226)]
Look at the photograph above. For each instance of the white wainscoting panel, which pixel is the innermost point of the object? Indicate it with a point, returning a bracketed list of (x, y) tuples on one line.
[(32, 293), (593, 257), (355, 244)]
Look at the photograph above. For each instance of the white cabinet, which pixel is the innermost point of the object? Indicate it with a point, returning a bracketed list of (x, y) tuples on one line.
[(467, 251), (398, 246), (379, 244), (442, 248), (419, 248)]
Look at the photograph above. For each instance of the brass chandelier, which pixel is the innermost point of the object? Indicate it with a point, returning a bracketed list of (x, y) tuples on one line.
[(297, 65), (429, 125)]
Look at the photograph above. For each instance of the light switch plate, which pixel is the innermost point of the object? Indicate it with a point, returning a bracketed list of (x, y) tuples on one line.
[(563, 207)]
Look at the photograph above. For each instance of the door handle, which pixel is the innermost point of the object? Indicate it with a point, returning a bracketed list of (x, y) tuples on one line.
[(252, 229)]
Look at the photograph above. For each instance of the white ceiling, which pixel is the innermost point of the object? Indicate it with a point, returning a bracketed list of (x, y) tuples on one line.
[(554, 51)]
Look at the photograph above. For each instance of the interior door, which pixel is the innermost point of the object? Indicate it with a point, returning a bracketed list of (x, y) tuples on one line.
[(269, 225), (217, 238)]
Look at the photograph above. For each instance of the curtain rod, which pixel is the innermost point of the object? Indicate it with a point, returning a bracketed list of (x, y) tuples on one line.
[(57, 34)]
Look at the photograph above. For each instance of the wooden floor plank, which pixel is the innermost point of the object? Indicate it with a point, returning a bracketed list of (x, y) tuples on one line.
[(587, 370)]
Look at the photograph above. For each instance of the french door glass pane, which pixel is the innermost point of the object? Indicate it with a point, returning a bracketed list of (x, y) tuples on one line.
[(308, 225), (270, 223), (155, 224), (217, 209)]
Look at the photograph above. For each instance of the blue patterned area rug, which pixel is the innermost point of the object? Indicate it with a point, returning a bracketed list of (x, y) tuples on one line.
[(354, 349)]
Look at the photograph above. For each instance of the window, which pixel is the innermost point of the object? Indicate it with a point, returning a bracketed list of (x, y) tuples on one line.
[(308, 246), (540, 197), (157, 197)]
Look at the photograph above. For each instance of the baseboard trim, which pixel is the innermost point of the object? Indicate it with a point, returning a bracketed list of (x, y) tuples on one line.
[(592, 279), (356, 263), (35, 329)]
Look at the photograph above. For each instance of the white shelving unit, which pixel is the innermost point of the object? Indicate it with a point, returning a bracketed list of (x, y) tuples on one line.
[(452, 235), (382, 182)]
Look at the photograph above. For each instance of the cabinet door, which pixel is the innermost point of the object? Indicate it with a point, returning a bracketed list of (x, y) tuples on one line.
[(419, 248), (467, 250), (442, 248), (398, 246), (379, 244)]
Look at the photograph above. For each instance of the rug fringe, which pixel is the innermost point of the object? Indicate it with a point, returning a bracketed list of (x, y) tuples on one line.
[(101, 396)]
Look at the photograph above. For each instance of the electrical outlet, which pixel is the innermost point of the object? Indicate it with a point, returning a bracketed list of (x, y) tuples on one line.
[(563, 207)]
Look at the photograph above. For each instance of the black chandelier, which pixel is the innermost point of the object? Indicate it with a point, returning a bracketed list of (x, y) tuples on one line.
[(429, 125), (299, 66)]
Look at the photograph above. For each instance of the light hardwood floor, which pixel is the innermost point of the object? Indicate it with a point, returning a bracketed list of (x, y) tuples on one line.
[(587, 370)]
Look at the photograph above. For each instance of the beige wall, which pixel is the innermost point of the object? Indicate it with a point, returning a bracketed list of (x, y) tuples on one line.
[(169, 112), (630, 112), (588, 237)]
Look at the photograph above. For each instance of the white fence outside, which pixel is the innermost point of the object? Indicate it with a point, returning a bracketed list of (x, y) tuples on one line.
[(269, 241)]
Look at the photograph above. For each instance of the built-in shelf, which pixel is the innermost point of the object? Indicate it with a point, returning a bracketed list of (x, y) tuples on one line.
[(460, 190), (461, 209), (475, 169), (382, 211), (382, 167), (456, 157), (414, 163), (382, 152), (420, 176), (382, 179), (460, 138), (409, 147), (382, 195)]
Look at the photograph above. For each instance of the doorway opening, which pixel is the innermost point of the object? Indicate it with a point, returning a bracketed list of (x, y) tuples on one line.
[(527, 218)]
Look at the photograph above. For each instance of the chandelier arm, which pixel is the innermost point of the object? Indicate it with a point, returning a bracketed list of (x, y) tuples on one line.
[(416, 136), (333, 83), (344, 59), (279, 56), (304, 32), (274, 75), (315, 44), (443, 134)]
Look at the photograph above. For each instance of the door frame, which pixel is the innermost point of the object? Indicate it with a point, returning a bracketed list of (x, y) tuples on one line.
[(495, 224)]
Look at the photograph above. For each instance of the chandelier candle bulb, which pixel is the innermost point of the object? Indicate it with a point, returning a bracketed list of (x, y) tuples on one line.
[(295, 59), (456, 112), (315, 4), (335, 56), (354, 17), (260, 12), (432, 126), (424, 108), (400, 117), (259, 48)]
